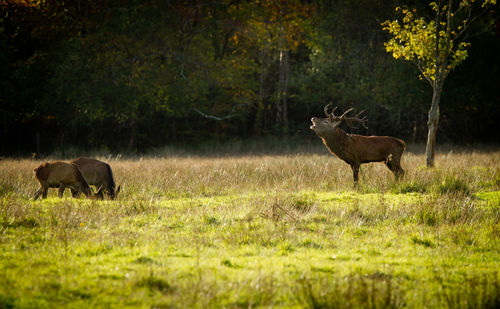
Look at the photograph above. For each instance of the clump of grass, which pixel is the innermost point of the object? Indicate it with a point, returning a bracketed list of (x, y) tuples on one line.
[(414, 185), (453, 185), (7, 302), (282, 208), (210, 220), (154, 283), (228, 263), (428, 214), (475, 291), (377, 290), (145, 260), (303, 202), (415, 239)]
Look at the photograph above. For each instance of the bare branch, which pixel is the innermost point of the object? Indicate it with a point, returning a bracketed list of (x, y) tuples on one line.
[(228, 116), (438, 37), (469, 21)]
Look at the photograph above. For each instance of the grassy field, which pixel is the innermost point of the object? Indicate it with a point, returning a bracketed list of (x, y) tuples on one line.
[(244, 231)]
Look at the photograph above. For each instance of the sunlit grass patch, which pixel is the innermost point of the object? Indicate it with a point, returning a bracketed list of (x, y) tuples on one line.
[(492, 198)]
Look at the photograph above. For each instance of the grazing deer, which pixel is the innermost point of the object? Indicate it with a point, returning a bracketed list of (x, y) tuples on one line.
[(356, 149), (61, 175), (98, 174)]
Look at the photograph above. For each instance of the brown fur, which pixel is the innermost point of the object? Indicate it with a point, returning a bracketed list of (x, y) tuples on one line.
[(356, 149), (60, 175), (98, 174)]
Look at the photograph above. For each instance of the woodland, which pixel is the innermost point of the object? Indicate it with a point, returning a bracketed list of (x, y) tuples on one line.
[(131, 76)]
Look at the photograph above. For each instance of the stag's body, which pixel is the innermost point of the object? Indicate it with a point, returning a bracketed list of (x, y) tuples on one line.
[(356, 149), (98, 174), (60, 175)]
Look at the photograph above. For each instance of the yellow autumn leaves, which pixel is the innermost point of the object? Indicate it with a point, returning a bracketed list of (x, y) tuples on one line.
[(435, 49)]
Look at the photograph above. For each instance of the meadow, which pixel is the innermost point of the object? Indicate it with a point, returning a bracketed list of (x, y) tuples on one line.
[(243, 230)]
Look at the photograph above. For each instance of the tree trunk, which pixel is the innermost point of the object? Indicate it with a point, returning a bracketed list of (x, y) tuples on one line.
[(432, 124), (259, 120), (278, 123), (259, 116), (285, 92), (131, 141), (282, 108)]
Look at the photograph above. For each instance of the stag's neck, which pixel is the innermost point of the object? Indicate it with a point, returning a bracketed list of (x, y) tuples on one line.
[(336, 142)]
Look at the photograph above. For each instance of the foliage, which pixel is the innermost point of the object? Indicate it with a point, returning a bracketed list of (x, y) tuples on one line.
[(134, 75), (435, 46)]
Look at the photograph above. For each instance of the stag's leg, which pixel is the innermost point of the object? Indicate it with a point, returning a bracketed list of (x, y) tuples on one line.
[(74, 192), (355, 172), (393, 163), (44, 187), (397, 165), (85, 191), (400, 172), (44, 192), (390, 165), (61, 191)]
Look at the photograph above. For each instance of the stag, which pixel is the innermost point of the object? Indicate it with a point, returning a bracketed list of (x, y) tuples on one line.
[(98, 174), (356, 149)]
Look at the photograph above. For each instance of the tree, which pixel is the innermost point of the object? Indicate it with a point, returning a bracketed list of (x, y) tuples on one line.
[(268, 34), (435, 46)]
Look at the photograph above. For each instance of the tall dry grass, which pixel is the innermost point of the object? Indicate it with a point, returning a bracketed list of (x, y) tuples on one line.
[(189, 176)]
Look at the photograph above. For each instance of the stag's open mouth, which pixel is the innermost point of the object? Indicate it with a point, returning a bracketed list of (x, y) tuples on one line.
[(313, 126)]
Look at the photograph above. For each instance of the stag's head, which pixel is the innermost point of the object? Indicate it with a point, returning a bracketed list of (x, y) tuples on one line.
[(322, 126)]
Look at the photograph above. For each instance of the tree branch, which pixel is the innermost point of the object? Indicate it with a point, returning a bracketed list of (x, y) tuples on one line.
[(419, 66), (230, 115)]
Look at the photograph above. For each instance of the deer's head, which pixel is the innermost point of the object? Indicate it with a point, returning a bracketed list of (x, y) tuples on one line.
[(323, 125)]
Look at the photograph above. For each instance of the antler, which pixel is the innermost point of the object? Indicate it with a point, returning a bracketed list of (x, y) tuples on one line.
[(356, 118), (326, 111), (348, 120), (332, 116), (345, 113)]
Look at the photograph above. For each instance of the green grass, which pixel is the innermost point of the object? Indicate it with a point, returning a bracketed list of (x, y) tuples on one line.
[(257, 231)]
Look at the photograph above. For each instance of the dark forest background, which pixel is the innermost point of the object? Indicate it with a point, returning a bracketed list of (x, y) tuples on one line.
[(134, 75)]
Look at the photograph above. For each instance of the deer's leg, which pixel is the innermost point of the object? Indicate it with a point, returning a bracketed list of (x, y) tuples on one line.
[(74, 192), (390, 165), (38, 193), (99, 195), (355, 173), (61, 191), (400, 172), (395, 166), (44, 192)]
